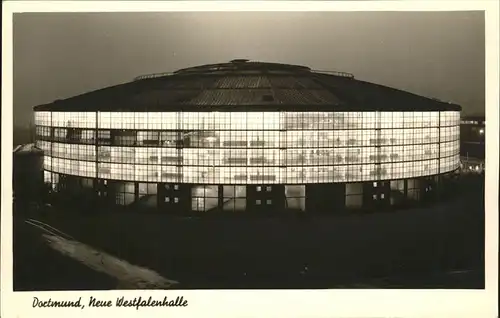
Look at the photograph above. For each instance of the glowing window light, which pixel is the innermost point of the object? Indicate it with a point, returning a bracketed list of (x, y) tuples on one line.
[(267, 135)]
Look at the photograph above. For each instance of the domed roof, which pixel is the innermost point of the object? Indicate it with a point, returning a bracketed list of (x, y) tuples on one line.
[(243, 85)]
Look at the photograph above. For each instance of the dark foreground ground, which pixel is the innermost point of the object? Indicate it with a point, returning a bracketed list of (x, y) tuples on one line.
[(38, 267), (442, 247)]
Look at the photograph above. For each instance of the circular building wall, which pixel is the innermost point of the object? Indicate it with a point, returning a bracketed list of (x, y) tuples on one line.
[(220, 149)]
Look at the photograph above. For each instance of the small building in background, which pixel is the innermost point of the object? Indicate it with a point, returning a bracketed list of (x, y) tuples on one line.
[(27, 183), (472, 143)]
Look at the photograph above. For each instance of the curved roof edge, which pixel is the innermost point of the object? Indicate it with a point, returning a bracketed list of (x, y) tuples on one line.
[(246, 108), (240, 65)]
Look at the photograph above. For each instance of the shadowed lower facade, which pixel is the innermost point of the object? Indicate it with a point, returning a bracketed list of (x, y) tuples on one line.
[(250, 136)]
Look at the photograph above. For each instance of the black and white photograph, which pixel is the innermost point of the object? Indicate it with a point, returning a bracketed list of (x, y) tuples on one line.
[(314, 150)]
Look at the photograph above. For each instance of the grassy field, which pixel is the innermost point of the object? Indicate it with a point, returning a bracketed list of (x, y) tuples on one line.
[(442, 247)]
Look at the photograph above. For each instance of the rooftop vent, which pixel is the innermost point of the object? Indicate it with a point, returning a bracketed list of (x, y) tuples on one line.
[(239, 61)]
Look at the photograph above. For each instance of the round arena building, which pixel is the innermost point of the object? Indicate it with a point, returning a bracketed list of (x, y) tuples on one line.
[(250, 136)]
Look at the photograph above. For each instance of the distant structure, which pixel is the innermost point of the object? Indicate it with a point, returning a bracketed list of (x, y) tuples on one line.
[(472, 143), (27, 173), (251, 136)]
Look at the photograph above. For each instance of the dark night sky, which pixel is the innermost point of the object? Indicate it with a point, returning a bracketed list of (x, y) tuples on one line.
[(436, 54)]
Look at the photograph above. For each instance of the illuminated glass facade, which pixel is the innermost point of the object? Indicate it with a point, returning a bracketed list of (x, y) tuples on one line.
[(230, 160)]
